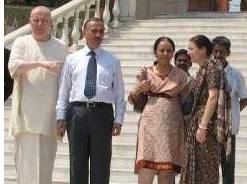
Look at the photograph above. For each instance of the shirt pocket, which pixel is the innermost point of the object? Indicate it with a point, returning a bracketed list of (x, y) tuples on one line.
[(105, 78)]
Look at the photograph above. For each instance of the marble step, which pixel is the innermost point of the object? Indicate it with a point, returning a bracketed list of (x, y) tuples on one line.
[(62, 172), (185, 25), (148, 54), (130, 77), (116, 177), (149, 61), (126, 161), (132, 127), (186, 29), (243, 127), (150, 43), (130, 116), (212, 16), (235, 15), (183, 22), (120, 143), (62, 158), (235, 39), (149, 48), (12, 180), (134, 67), (129, 107), (117, 34), (142, 33), (149, 58)]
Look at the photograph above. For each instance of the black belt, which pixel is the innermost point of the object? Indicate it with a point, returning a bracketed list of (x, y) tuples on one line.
[(91, 104)]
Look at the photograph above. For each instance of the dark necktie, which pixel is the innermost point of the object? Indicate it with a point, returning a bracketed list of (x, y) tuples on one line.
[(90, 84)]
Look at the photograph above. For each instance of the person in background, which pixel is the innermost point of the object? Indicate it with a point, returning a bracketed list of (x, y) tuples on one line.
[(182, 60), (160, 139), (238, 91), (8, 81), (208, 122), (91, 81), (243, 5), (208, 5), (222, 5), (200, 5), (34, 64)]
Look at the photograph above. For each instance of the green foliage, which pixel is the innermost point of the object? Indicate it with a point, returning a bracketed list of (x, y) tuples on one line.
[(15, 16)]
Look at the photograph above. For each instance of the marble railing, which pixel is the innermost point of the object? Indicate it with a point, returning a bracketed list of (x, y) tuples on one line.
[(62, 15)]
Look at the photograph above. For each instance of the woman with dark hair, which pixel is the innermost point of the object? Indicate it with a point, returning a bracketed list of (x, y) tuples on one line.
[(161, 133), (208, 125)]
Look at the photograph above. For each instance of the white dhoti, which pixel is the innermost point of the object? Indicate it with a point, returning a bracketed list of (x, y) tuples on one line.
[(35, 155), (33, 117)]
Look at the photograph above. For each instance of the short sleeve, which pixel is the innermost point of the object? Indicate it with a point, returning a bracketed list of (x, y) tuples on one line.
[(213, 76), (16, 56), (242, 91)]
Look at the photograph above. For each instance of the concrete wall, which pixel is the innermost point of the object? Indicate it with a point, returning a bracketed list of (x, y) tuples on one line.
[(127, 9), (146, 9)]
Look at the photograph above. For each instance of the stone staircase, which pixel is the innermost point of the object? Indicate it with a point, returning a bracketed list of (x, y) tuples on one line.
[(133, 44)]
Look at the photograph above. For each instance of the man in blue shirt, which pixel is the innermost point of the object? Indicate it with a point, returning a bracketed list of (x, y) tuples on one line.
[(91, 81)]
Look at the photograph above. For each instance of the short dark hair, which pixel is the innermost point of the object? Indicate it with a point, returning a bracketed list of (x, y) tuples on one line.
[(179, 52), (160, 39), (93, 19), (203, 41), (222, 40)]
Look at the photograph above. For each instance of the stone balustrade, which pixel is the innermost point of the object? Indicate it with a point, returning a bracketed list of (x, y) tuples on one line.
[(62, 16)]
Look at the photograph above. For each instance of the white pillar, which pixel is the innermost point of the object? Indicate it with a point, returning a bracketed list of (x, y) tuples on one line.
[(54, 28), (106, 15), (85, 19), (115, 12), (97, 9), (132, 8), (75, 32), (65, 37)]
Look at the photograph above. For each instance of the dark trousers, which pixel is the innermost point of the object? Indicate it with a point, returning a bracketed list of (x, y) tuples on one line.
[(90, 138), (228, 163)]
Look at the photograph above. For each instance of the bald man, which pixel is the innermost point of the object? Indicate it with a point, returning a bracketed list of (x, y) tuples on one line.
[(34, 64)]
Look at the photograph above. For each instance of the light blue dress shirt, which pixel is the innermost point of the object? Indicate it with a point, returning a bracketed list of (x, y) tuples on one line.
[(109, 85), (238, 91)]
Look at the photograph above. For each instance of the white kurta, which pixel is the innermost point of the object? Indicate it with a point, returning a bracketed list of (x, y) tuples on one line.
[(35, 94), (33, 109)]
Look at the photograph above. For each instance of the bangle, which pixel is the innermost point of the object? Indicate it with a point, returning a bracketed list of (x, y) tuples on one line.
[(202, 127)]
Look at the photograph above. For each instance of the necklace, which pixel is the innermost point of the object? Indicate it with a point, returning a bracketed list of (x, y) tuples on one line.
[(164, 73)]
